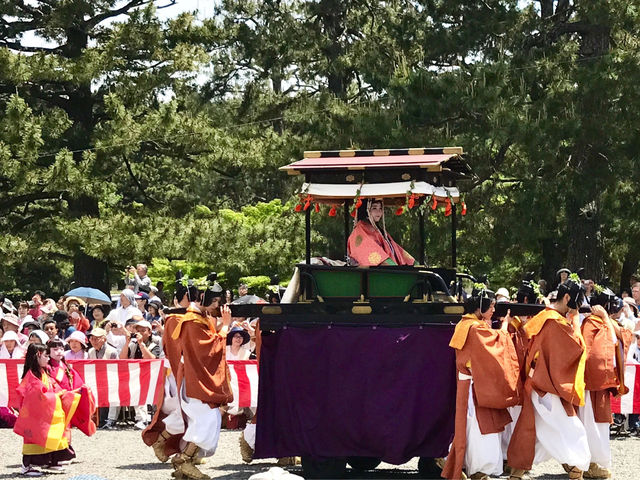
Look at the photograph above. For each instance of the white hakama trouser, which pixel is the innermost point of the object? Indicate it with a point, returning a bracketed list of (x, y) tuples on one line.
[(173, 422), (197, 421), (483, 451), (597, 434), (249, 434), (558, 435), (505, 436)]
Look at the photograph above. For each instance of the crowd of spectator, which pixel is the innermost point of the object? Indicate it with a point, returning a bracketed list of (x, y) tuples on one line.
[(130, 328)]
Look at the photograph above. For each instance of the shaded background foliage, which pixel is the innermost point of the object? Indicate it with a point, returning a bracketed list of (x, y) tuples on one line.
[(126, 137)]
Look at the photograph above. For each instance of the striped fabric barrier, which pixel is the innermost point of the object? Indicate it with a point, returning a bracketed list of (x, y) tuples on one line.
[(629, 403), (244, 384), (114, 383)]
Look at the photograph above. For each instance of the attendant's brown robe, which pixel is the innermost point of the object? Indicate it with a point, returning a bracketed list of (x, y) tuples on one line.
[(491, 356), (555, 363), (196, 353), (602, 377)]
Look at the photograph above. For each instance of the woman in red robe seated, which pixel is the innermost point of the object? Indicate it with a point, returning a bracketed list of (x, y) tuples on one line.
[(369, 244)]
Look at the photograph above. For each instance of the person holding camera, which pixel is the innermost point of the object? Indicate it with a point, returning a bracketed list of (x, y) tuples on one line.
[(72, 306), (141, 344), (138, 278), (138, 345)]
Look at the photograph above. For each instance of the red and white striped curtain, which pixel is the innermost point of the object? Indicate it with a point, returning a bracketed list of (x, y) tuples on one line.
[(114, 383), (629, 403), (122, 383)]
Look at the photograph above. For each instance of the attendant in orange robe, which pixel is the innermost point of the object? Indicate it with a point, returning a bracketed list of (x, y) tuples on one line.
[(488, 376), (45, 413), (195, 348), (369, 244), (548, 426), (604, 375)]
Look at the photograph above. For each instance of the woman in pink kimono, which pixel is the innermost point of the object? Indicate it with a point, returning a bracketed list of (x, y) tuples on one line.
[(369, 244)]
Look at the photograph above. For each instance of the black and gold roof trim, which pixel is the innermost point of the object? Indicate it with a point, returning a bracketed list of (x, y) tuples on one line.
[(383, 152)]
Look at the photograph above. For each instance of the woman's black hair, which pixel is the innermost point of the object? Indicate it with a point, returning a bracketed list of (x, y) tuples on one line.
[(481, 299), (363, 213), (575, 290), (31, 360), (526, 292), (54, 344)]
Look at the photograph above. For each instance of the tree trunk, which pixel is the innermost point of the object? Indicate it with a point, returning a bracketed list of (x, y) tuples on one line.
[(584, 249), (87, 271), (583, 190), (333, 14), (629, 267)]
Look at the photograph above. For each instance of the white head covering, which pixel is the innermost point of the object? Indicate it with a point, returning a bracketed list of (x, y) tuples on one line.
[(44, 338), (130, 295), (79, 336), (10, 335)]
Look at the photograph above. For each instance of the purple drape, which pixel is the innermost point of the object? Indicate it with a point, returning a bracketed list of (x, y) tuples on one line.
[(340, 391)]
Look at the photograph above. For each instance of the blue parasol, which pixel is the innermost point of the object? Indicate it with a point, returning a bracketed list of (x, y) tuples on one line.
[(92, 296)]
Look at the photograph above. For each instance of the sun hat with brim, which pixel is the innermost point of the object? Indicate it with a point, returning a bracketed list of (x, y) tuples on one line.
[(8, 306), (79, 336), (144, 323), (11, 318), (242, 331), (10, 335), (68, 300), (44, 338), (503, 292), (98, 332)]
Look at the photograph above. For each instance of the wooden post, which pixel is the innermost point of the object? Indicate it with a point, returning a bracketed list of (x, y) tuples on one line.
[(454, 228), (421, 233)]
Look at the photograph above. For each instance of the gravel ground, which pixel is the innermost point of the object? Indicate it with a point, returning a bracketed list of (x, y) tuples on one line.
[(121, 454)]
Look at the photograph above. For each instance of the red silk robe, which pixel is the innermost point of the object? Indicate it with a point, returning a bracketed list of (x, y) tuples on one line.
[(367, 246), (46, 411), (71, 380)]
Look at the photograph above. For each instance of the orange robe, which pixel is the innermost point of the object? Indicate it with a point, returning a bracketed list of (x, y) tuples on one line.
[(367, 246), (196, 353), (602, 377), (555, 363), (490, 358)]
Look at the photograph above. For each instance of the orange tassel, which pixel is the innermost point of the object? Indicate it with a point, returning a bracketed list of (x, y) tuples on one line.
[(332, 211), (358, 203), (434, 205), (354, 212), (400, 210), (298, 207), (412, 202), (464, 209), (317, 207), (448, 209)]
